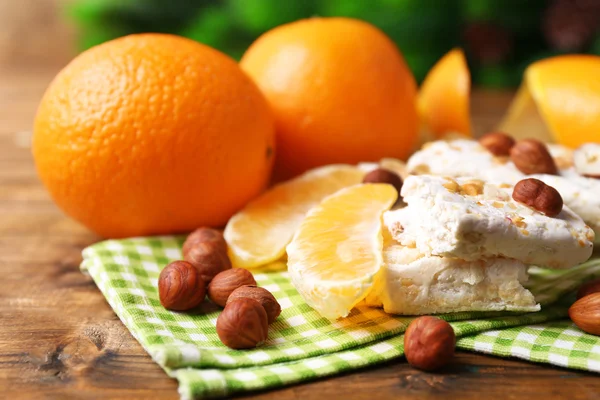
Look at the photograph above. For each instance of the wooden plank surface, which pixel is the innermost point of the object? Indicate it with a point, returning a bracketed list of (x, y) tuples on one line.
[(59, 339)]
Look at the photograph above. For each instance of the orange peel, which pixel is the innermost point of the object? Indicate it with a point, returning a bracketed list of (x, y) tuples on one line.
[(558, 101), (443, 100)]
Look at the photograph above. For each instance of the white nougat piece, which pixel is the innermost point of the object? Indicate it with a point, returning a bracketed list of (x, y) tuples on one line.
[(562, 155), (587, 159), (462, 157), (411, 283), (471, 219), (581, 194)]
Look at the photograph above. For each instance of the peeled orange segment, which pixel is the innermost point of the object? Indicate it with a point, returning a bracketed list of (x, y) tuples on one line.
[(258, 234), (559, 100), (337, 250), (443, 100)]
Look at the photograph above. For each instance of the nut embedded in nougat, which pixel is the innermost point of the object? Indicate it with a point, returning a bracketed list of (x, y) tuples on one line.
[(539, 196)]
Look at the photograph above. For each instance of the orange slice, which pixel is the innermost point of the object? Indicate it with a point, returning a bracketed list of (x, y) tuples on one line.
[(337, 251), (443, 100), (258, 234), (559, 101)]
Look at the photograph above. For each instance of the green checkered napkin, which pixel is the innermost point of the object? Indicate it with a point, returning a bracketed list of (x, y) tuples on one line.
[(302, 345)]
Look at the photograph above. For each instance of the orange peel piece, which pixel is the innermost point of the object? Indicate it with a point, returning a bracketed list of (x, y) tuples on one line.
[(443, 100), (558, 101)]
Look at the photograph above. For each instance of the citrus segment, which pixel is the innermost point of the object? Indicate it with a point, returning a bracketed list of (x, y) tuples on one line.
[(443, 100), (558, 100), (336, 252), (259, 233)]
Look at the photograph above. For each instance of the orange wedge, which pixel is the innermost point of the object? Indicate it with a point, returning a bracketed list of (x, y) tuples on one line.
[(443, 100), (559, 101), (258, 234), (337, 251)]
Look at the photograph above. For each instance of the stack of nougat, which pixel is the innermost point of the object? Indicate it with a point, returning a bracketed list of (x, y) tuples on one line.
[(462, 243)]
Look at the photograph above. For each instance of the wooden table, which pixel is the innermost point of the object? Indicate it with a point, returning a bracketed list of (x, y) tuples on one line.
[(60, 339)]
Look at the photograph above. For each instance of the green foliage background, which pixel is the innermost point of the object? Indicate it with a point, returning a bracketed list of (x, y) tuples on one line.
[(423, 29)]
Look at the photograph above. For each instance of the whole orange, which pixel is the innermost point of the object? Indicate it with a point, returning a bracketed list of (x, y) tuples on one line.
[(152, 134), (340, 90)]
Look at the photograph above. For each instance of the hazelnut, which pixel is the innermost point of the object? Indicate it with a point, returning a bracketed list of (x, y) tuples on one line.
[(429, 343), (539, 196), (206, 249), (243, 324), (498, 143), (224, 283), (585, 313), (588, 288), (204, 234), (381, 175), (262, 295), (180, 286), (531, 156)]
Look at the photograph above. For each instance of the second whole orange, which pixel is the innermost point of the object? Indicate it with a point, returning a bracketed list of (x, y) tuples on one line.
[(340, 90), (153, 134)]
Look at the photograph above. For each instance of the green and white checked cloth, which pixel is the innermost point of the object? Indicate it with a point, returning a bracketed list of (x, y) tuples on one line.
[(302, 345)]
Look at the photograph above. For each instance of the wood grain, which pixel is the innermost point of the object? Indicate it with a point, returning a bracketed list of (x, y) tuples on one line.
[(35, 32), (59, 339)]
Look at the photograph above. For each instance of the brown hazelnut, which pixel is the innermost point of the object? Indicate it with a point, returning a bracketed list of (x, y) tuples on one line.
[(205, 249), (588, 288), (539, 196), (585, 313), (531, 156), (498, 143), (180, 286), (224, 283), (381, 175), (204, 235), (429, 343), (262, 295), (243, 324)]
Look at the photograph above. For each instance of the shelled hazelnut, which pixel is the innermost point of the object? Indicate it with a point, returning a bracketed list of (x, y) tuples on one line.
[(382, 175), (224, 283), (585, 313), (539, 196), (180, 286), (262, 295), (243, 324), (531, 156), (206, 249), (498, 143), (429, 343)]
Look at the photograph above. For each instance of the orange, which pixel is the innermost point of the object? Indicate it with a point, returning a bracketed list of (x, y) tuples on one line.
[(337, 250), (258, 234), (340, 90), (559, 100), (443, 100), (153, 134)]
